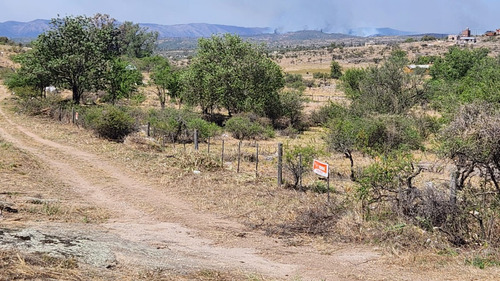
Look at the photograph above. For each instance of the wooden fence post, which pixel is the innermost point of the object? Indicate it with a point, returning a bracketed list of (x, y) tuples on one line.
[(239, 156), (257, 162), (280, 164), (196, 139), (222, 154), (149, 129), (300, 171)]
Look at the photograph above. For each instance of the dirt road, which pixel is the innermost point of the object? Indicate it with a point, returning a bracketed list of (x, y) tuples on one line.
[(153, 228)]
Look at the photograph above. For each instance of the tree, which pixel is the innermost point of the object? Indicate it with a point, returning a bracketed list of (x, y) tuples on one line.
[(166, 80), (471, 141), (457, 63), (232, 74), (387, 89), (292, 104), (122, 79), (32, 74), (335, 70), (136, 42), (75, 51), (351, 80), (454, 85), (373, 135)]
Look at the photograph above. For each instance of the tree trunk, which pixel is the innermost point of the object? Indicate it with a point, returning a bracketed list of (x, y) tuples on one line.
[(76, 94), (453, 186), (348, 155)]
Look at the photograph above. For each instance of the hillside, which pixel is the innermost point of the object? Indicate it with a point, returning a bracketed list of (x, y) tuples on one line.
[(15, 29), (20, 30), (26, 30)]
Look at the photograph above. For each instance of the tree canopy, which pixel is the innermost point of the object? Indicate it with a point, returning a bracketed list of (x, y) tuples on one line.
[(77, 52), (232, 74)]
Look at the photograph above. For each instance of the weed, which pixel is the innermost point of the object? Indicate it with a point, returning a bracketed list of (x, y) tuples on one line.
[(51, 209), (482, 262)]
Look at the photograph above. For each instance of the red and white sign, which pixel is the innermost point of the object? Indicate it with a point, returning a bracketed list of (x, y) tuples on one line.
[(320, 168)]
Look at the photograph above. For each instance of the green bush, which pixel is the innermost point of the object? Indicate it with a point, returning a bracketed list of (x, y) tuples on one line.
[(293, 165), (321, 75), (179, 125), (242, 127), (205, 129), (325, 113), (335, 70), (110, 122), (30, 103)]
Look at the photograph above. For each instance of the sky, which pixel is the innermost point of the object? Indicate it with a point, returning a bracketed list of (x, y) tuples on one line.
[(426, 16)]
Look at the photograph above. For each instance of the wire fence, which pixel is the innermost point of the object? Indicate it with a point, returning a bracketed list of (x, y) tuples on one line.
[(262, 159)]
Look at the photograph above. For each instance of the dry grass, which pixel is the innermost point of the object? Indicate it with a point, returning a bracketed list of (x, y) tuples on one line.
[(203, 275), (255, 201), (27, 188), (17, 266)]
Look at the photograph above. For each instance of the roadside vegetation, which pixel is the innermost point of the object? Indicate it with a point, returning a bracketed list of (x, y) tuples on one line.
[(390, 130)]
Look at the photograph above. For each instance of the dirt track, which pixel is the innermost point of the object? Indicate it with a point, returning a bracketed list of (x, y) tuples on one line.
[(151, 227)]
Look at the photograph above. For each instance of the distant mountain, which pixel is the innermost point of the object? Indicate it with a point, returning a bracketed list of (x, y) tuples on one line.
[(32, 29), (15, 29), (308, 35), (196, 30), (372, 32)]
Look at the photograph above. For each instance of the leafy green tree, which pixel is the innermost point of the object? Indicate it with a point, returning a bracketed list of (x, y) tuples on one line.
[(428, 38), (75, 51), (335, 70), (122, 79), (136, 42), (32, 73), (178, 125), (387, 89), (292, 106), (351, 82), (457, 63), (372, 135), (166, 79), (232, 74), (481, 83)]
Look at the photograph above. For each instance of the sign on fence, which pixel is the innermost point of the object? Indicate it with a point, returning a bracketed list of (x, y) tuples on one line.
[(320, 168)]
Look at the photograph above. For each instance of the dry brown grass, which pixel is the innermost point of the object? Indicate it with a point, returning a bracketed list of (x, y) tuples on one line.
[(17, 266), (255, 201), (26, 186)]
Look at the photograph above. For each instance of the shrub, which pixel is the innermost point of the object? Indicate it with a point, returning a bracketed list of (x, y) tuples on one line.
[(335, 70), (292, 105), (33, 105), (326, 113), (205, 128), (242, 127), (179, 125), (321, 75), (295, 81), (293, 164), (110, 122)]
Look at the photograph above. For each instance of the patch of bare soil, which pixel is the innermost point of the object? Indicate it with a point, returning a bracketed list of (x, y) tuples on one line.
[(145, 229)]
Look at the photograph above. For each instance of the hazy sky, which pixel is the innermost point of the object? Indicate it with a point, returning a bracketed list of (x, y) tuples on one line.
[(444, 16)]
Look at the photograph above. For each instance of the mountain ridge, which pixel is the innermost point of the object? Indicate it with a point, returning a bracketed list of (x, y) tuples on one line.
[(20, 30)]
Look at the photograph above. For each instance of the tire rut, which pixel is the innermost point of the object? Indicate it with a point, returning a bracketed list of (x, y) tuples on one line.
[(139, 209)]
